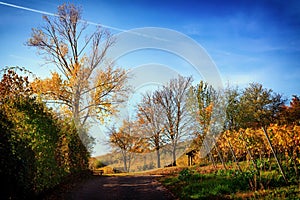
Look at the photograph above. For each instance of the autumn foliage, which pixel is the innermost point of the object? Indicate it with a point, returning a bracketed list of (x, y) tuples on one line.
[(86, 84), (285, 140), (262, 130), (38, 148)]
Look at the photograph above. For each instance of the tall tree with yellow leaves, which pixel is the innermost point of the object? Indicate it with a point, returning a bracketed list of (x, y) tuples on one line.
[(86, 84)]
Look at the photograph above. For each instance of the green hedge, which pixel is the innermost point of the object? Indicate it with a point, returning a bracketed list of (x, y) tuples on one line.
[(38, 149)]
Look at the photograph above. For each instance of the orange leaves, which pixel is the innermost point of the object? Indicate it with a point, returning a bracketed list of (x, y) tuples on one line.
[(209, 108), (53, 88), (201, 104), (75, 72), (285, 140), (127, 138), (108, 85), (13, 85), (141, 120)]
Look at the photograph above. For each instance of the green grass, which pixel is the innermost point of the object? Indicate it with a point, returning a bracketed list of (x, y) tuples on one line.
[(230, 184), (279, 193), (190, 185)]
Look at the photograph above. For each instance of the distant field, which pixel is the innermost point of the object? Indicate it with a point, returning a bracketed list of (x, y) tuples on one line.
[(144, 161)]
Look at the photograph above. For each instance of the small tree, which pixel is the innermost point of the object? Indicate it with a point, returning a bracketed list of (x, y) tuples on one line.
[(127, 141), (200, 104)]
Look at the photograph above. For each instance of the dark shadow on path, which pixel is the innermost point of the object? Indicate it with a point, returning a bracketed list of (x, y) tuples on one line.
[(120, 188)]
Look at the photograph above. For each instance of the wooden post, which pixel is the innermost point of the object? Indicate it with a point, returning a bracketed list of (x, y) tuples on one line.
[(274, 154)]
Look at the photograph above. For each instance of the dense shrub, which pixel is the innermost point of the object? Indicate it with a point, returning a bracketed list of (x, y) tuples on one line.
[(38, 149)]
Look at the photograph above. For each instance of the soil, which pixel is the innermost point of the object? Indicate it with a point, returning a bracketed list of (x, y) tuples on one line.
[(144, 187)]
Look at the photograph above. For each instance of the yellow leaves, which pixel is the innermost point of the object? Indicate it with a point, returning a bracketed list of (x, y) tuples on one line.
[(285, 140), (66, 110), (108, 83), (209, 108), (285, 137), (141, 120), (51, 88), (75, 70), (56, 80), (78, 76), (83, 93)]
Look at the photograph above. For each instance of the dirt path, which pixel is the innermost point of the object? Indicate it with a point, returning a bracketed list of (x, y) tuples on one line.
[(120, 188)]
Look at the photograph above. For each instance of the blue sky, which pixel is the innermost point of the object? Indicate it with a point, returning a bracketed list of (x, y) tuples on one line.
[(249, 41)]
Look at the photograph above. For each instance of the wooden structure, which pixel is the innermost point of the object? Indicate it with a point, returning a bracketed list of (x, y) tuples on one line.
[(191, 155), (98, 172)]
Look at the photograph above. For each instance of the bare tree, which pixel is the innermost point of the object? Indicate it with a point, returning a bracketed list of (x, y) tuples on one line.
[(173, 100), (151, 121), (87, 84)]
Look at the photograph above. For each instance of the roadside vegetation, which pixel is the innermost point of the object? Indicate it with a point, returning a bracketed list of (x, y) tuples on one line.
[(198, 183), (38, 148)]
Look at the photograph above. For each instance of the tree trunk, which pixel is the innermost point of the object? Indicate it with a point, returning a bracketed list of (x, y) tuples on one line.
[(158, 158), (129, 162), (174, 155), (275, 156), (76, 103), (125, 161)]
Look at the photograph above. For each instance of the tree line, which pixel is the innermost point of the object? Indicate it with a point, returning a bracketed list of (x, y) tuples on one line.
[(254, 124)]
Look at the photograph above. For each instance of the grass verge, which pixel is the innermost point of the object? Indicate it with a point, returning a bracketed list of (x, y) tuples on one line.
[(190, 184)]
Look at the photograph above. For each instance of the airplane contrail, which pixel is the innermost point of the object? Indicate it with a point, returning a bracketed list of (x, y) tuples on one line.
[(28, 9), (55, 15), (84, 21)]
